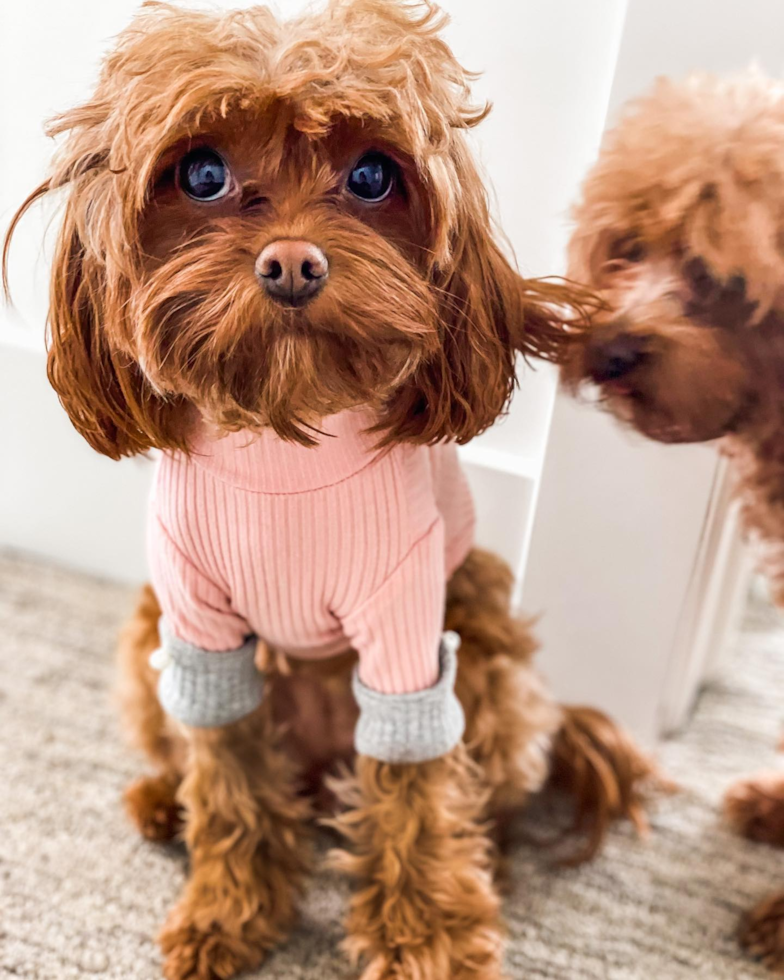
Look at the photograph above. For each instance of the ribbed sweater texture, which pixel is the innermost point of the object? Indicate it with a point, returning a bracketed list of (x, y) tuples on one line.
[(312, 549)]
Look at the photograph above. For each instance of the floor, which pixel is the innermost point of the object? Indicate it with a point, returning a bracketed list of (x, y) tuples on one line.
[(81, 896)]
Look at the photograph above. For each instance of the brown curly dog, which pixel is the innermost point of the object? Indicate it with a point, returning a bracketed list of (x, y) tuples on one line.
[(428, 820), (277, 265), (680, 231)]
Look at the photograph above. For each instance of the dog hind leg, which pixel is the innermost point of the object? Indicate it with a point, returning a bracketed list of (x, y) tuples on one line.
[(151, 801), (517, 733)]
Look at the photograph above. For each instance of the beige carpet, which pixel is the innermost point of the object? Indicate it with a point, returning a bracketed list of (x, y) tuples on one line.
[(81, 895)]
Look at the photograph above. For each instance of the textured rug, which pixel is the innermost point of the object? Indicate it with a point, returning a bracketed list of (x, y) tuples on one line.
[(81, 895)]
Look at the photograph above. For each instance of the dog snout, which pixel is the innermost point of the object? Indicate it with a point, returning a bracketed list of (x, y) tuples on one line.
[(292, 271), (613, 358)]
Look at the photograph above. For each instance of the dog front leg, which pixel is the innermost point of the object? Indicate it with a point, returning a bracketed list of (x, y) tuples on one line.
[(248, 838), (424, 907)]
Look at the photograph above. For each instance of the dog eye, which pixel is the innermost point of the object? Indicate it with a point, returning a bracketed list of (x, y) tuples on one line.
[(372, 177), (629, 248), (203, 175)]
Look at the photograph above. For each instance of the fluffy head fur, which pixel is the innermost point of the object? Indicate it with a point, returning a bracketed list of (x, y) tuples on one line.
[(681, 231), (156, 314)]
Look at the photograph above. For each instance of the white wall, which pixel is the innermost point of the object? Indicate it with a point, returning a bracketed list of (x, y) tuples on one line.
[(619, 520), (58, 498), (548, 67), (673, 37)]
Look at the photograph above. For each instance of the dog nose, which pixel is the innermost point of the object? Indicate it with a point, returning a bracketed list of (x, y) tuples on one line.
[(292, 271), (615, 357)]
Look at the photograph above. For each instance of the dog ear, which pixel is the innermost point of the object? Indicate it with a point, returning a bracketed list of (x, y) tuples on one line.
[(488, 314), (102, 389)]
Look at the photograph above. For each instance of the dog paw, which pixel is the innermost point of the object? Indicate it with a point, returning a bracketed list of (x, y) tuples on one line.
[(194, 953), (152, 805), (762, 933), (475, 954), (419, 964), (754, 807)]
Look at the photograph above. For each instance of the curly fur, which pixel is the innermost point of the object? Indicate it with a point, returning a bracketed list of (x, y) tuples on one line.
[(145, 723), (754, 807), (511, 719), (151, 803), (247, 834), (439, 811), (155, 310), (425, 906), (679, 231), (760, 932), (157, 321), (599, 765)]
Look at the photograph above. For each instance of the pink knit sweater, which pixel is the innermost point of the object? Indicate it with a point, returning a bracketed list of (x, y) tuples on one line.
[(313, 550)]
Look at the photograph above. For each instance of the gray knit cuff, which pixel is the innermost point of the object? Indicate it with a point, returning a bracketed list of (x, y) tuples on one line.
[(205, 688), (412, 727)]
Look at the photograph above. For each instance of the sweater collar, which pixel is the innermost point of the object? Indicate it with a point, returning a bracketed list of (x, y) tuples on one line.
[(262, 462)]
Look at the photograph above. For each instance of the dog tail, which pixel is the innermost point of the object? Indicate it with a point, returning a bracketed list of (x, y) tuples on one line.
[(597, 763)]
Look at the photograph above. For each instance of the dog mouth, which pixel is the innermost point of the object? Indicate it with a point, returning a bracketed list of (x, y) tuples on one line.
[(637, 408), (295, 321), (618, 388), (305, 321), (293, 305)]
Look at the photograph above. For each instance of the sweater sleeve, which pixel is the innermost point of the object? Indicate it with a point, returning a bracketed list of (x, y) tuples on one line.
[(404, 683), (196, 608), (398, 628), (208, 675)]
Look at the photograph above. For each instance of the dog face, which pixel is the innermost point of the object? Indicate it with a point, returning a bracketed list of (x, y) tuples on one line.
[(267, 222), (680, 233), (279, 288)]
